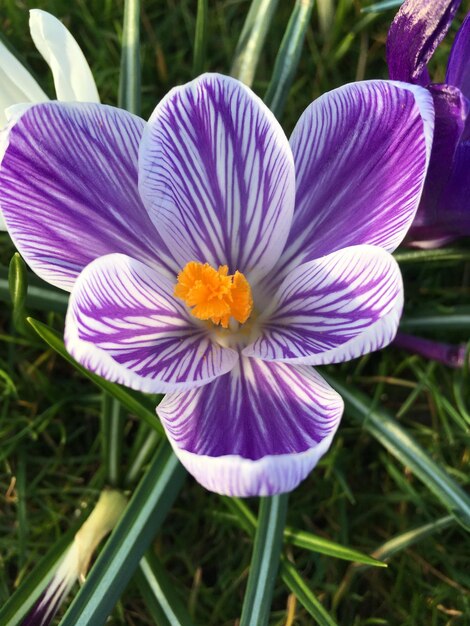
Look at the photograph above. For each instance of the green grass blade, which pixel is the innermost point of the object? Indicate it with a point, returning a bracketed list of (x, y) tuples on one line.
[(112, 434), (265, 561), (133, 402), (252, 39), (410, 537), (429, 256), (25, 597), (300, 538), (288, 56), (403, 447), (141, 456), (454, 322), (314, 543), (200, 38), (300, 589), (382, 6), (120, 557), (159, 593), (18, 287), (129, 81)]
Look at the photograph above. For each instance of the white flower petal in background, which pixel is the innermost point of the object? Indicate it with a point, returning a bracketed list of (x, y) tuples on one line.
[(73, 79), (16, 84)]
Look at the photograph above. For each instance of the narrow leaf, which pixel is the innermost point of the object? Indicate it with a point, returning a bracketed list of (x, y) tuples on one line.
[(112, 433), (300, 538), (382, 6), (159, 593), (300, 589), (133, 402), (410, 537), (455, 322), (314, 543), (129, 82), (403, 447), (288, 56), (120, 557), (200, 38), (252, 39), (265, 560), (39, 296), (18, 287), (430, 256)]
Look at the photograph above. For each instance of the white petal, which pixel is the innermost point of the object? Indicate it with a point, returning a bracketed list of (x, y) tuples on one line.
[(16, 84), (73, 79)]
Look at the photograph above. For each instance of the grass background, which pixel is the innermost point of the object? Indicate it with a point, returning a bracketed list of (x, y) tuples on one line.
[(359, 495)]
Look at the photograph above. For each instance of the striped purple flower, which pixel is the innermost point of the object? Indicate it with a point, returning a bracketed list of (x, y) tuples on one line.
[(418, 28), (211, 259)]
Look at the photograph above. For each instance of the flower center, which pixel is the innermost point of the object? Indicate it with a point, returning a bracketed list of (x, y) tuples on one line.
[(214, 295)]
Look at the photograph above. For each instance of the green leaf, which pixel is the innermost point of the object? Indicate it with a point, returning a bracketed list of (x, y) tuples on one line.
[(454, 322), (265, 560), (300, 538), (314, 543), (200, 38), (129, 82), (403, 447), (429, 256), (135, 403), (129, 541), (159, 593), (287, 571), (39, 295), (300, 589), (382, 6), (410, 537), (18, 287), (252, 39), (288, 56), (112, 434)]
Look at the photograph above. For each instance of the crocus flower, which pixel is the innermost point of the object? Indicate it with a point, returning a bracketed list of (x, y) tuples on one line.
[(73, 79), (211, 259), (417, 30), (74, 564)]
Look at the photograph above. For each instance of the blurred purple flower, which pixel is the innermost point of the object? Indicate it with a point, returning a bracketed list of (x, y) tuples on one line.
[(417, 30), (286, 244)]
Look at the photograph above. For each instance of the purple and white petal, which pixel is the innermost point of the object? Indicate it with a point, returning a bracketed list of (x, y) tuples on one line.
[(333, 309), (451, 109), (458, 67), (361, 153), (124, 324), (217, 175), (68, 189), (256, 431), (417, 30)]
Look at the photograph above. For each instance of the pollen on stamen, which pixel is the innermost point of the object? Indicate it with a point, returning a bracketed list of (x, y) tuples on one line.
[(214, 295)]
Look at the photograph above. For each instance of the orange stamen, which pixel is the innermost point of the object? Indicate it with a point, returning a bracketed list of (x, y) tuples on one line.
[(214, 294)]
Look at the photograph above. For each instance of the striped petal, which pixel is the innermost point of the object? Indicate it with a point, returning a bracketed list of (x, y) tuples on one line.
[(68, 189), (124, 324), (73, 79), (333, 309), (256, 431), (217, 176), (417, 30), (361, 153), (429, 226), (458, 67)]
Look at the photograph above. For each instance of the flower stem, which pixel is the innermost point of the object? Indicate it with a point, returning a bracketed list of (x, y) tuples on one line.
[(265, 560)]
